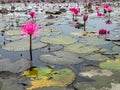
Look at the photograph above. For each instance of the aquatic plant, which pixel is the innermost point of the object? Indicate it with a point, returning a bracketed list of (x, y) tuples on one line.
[(30, 29), (85, 17), (75, 12), (103, 31), (33, 15)]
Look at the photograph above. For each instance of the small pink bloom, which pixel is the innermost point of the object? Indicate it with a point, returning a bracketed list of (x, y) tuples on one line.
[(85, 17), (108, 22), (89, 1), (32, 14), (103, 31), (31, 28), (109, 9), (75, 11)]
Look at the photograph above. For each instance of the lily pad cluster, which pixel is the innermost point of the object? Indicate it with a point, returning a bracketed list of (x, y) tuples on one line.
[(46, 77)]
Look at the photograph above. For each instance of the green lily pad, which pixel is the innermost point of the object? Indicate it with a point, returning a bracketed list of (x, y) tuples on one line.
[(80, 48), (111, 64), (59, 40), (61, 58), (13, 32), (22, 45), (84, 33), (49, 78), (95, 41), (96, 57), (49, 31)]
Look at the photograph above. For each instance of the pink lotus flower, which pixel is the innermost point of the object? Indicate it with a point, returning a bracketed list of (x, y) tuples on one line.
[(100, 14), (103, 31), (75, 11), (109, 9), (25, 4), (31, 28), (32, 14), (108, 21), (85, 17)]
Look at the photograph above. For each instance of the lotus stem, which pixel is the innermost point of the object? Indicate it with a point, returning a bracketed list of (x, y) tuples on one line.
[(31, 48), (84, 25)]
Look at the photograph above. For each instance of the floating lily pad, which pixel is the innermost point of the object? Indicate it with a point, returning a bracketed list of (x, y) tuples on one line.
[(117, 43), (96, 72), (113, 37), (59, 40), (96, 57), (13, 32), (111, 64), (61, 58), (80, 48), (110, 53), (12, 38), (22, 45), (53, 88), (84, 33), (52, 47), (100, 83), (15, 67), (116, 49), (49, 78), (49, 31), (95, 41)]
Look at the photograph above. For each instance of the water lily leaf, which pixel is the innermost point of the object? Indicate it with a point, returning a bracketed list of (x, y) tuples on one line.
[(61, 58), (22, 45), (84, 33), (95, 41), (12, 38), (96, 57), (53, 88), (113, 37), (111, 64), (41, 72), (60, 78), (117, 43), (116, 49), (96, 72), (80, 48), (59, 40), (49, 31), (100, 83), (13, 32), (110, 53)]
